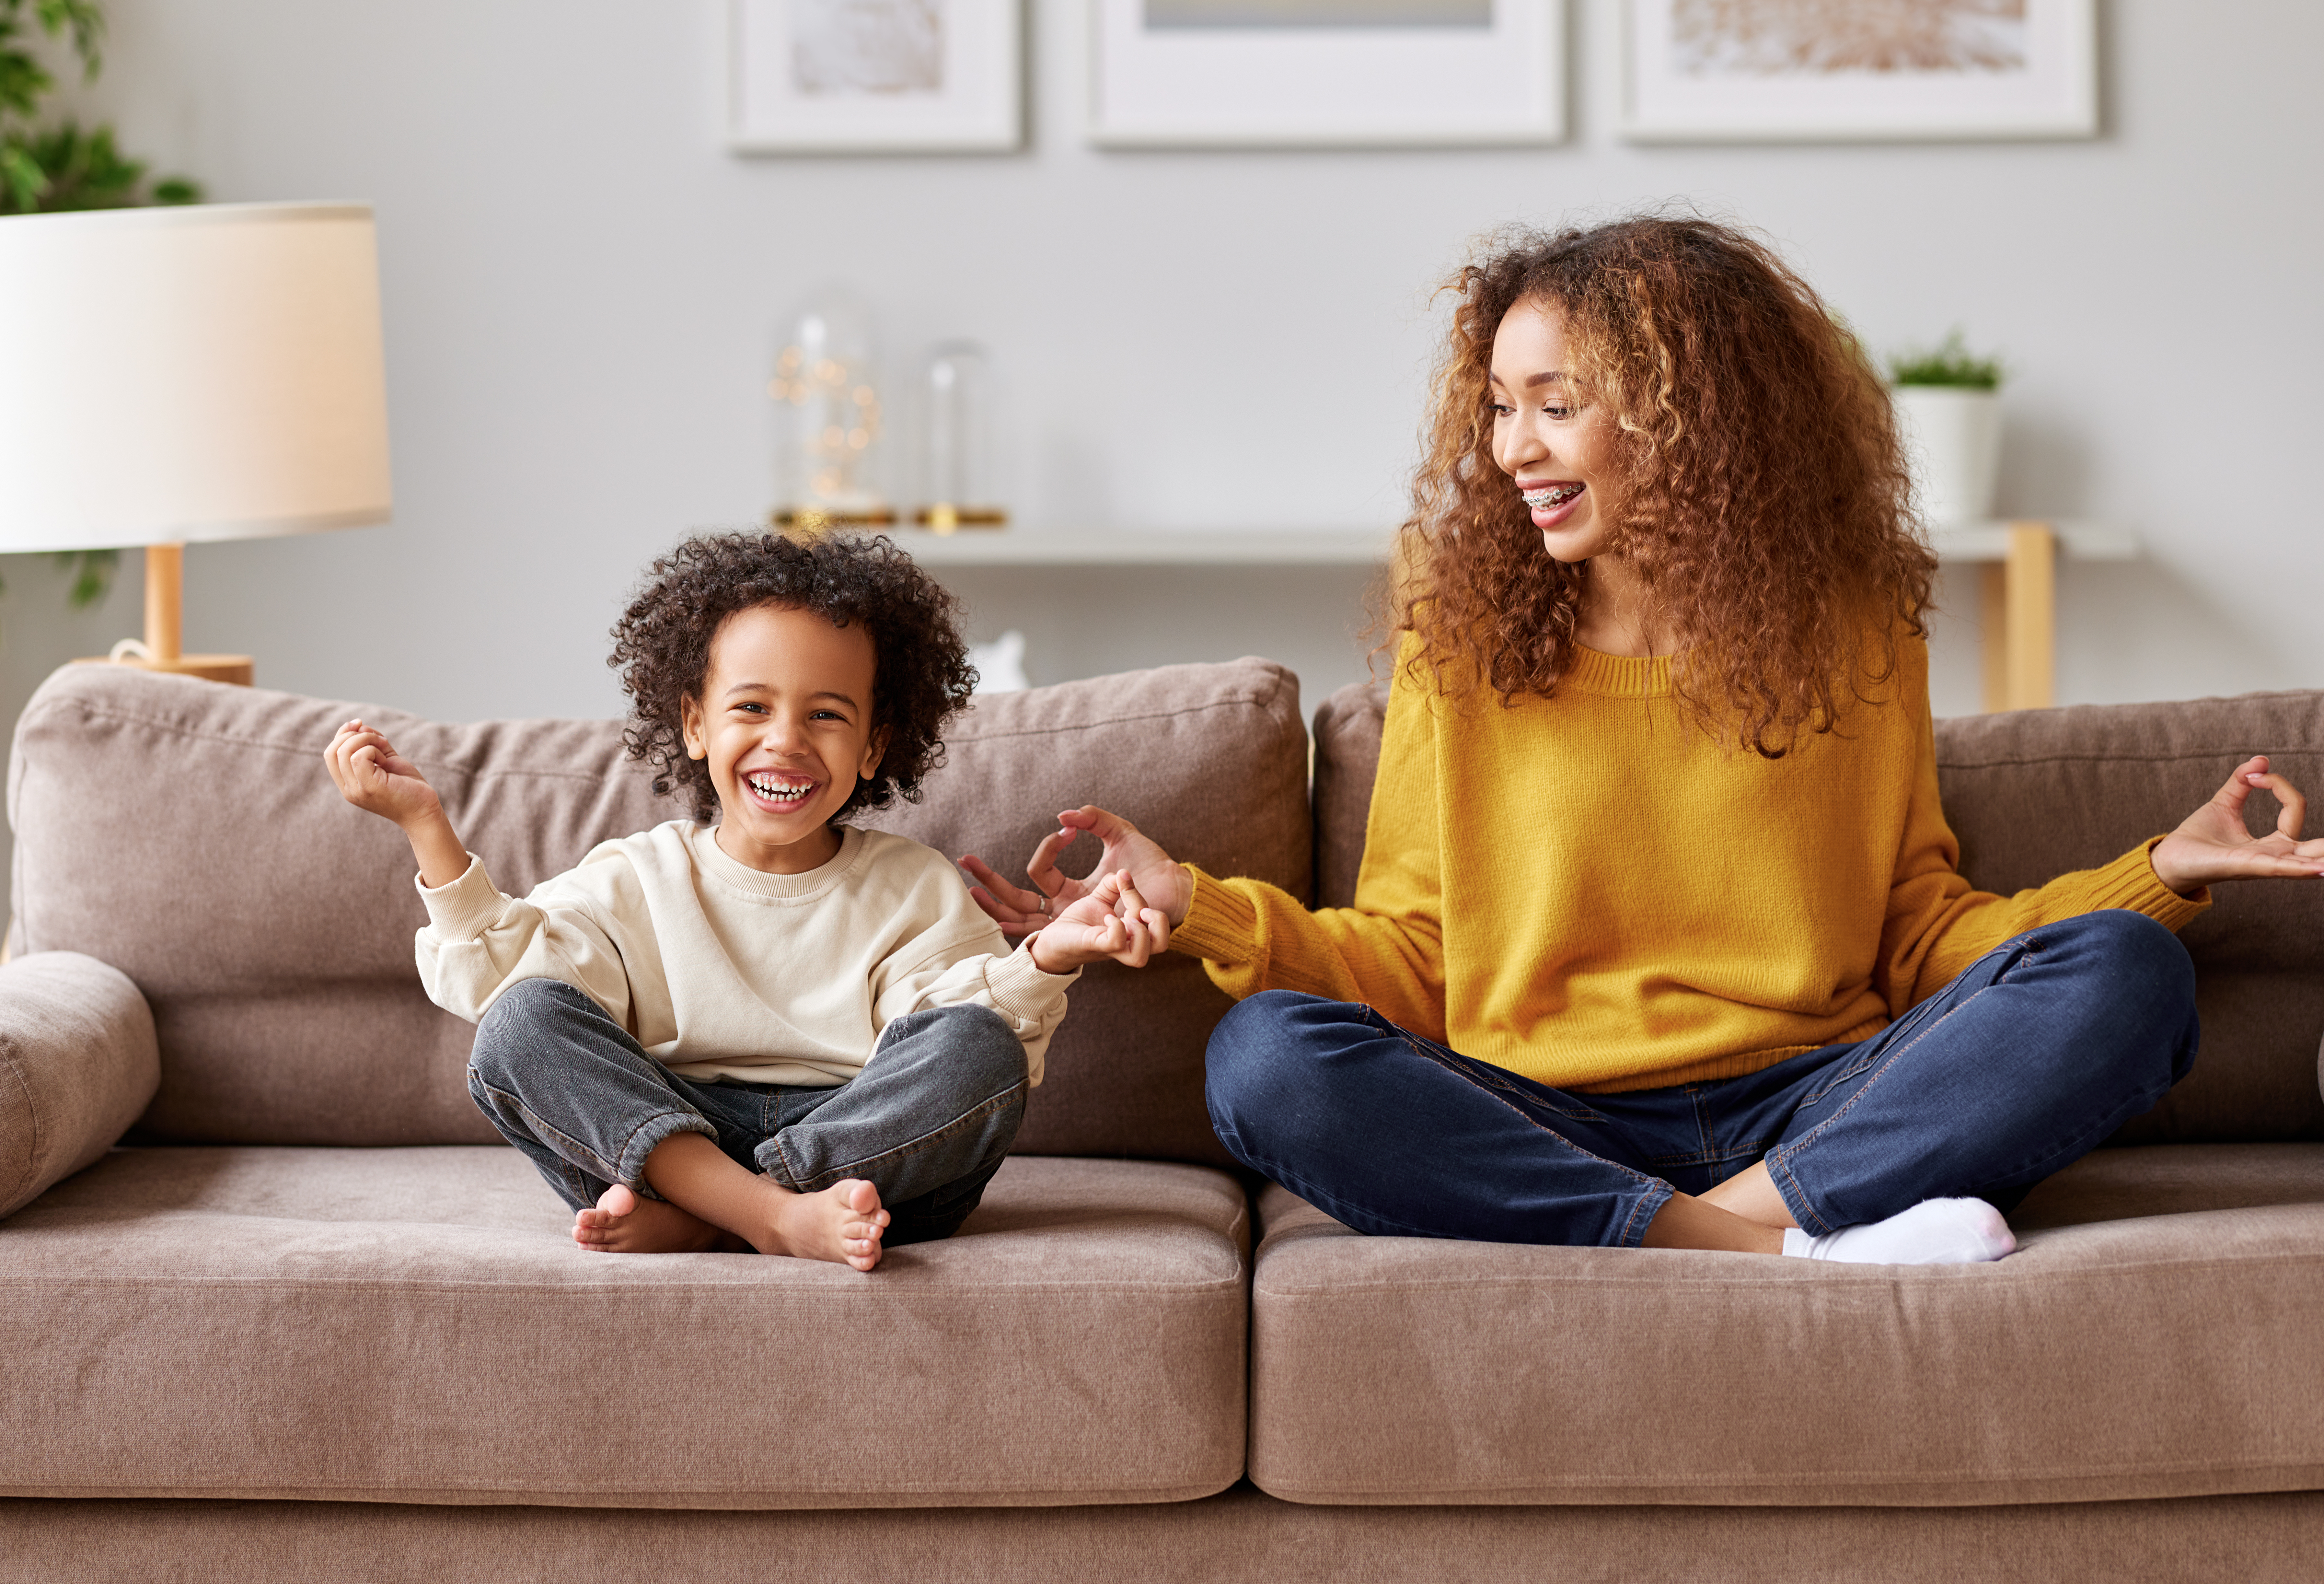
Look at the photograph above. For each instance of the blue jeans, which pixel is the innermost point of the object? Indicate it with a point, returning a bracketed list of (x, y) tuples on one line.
[(2022, 1065), (928, 1122)]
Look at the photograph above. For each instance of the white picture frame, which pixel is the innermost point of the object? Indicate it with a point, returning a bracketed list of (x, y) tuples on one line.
[(874, 75), (2037, 78), (1343, 84)]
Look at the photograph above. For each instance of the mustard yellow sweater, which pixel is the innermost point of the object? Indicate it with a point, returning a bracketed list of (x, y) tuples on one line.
[(1585, 891)]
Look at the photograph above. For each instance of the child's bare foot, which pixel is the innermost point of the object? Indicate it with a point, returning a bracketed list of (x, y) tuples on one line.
[(623, 1223), (843, 1223)]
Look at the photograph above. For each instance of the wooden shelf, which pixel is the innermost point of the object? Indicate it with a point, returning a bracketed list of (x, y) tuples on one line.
[(2080, 540), (1120, 547), (1360, 547), (2018, 589)]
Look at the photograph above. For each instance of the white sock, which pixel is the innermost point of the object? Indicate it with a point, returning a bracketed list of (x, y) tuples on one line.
[(1934, 1232)]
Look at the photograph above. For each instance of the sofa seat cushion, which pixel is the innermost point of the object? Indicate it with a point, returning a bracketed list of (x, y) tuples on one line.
[(416, 1325), (2160, 1332)]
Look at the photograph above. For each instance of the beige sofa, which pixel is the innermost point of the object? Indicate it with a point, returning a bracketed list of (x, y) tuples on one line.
[(312, 1319)]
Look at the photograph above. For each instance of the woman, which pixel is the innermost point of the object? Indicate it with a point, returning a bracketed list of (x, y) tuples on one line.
[(1658, 939)]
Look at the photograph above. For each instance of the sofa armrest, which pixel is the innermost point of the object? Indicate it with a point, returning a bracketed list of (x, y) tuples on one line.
[(78, 1064)]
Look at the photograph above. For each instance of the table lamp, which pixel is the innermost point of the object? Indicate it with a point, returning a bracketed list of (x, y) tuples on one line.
[(177, 375)]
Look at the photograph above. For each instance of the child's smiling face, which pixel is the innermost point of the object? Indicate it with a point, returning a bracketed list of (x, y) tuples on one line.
[(784, 723)]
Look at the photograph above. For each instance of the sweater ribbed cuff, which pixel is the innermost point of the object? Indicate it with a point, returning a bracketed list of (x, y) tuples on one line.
[(1023, 989), (2130, 882), (1221, 925), (466, 908)]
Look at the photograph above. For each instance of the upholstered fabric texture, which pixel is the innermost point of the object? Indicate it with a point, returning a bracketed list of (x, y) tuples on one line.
[(280, 967), (78, 1063), (2034, 794), (1206, 759), (281, 974), (1347, 727), (418, 1325), (2171, 1352), (1241, 1537)]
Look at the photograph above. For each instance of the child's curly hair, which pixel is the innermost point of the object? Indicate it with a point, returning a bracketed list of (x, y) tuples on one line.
[(662, 646), (1762, 488)]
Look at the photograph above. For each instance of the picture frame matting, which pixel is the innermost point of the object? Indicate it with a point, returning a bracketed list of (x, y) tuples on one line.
[(874, 75), (1326, 74), (1780, 71)]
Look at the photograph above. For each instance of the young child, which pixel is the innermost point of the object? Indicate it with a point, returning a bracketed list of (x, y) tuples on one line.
[(774, 1031)]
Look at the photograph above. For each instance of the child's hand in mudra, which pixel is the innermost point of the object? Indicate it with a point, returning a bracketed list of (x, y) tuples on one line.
[(2213, 843), (1127, 851), (373, 777), (1111, 921)]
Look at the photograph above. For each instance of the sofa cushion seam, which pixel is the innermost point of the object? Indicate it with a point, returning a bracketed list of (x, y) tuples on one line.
[(195, 734), (1211, 706)]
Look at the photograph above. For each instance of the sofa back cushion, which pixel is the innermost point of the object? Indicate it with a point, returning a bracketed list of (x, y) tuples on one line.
[(188, 834), (1209, 760), (2032, 795), (2036, 793)]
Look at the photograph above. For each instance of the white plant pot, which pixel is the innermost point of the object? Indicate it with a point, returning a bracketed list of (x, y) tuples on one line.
[(1953, 443)]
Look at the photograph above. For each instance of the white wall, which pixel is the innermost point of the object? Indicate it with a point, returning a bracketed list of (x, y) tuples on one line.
[(583, 291)]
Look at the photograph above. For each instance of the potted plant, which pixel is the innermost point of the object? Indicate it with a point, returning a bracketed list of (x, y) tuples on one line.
[(1948, 405)]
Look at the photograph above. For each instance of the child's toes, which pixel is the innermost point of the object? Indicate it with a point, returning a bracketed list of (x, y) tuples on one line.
[(617, 1200)]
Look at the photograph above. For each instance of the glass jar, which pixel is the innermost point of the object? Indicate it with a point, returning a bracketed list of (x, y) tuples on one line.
[(829, 422), (956, 485)]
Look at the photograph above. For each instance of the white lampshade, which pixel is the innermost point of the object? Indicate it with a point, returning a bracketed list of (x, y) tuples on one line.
[(185, 373)]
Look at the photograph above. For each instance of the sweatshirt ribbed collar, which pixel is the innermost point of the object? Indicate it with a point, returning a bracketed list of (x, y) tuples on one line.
[(761, 886)]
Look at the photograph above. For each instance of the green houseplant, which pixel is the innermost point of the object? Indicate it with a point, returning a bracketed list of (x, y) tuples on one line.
[(1947, 401), (1948, 363), (56, 165)]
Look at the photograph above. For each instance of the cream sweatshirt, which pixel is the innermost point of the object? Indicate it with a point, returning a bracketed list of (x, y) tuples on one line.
[(720, 970)]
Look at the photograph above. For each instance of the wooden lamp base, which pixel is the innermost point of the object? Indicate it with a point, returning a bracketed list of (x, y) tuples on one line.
[(165, 575)]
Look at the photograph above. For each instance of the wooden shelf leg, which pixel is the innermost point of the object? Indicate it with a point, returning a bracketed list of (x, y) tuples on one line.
[(1993, 633), (2030, 579)]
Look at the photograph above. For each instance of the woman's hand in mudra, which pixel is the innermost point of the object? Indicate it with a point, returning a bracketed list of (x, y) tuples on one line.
[(2214, 844), (1161, 880)]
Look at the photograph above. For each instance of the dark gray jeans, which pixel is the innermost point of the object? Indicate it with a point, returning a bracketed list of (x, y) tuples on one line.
[(926, 1122)]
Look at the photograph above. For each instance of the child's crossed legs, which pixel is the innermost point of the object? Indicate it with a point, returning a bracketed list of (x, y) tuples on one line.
[(653, 1162)]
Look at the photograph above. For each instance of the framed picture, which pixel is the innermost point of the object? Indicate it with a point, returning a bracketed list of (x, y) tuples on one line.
[(1856, 70), (873, 75), (1316, 73)]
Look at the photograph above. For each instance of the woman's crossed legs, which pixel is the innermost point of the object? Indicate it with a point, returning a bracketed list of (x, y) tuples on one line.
[(2025, 1063)]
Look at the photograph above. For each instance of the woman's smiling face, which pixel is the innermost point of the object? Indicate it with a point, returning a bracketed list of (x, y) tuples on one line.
[(1557, 448), (785, 724)]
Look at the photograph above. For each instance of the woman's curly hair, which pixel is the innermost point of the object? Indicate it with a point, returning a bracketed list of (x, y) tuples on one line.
[(1760, 490), (663, 642)]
